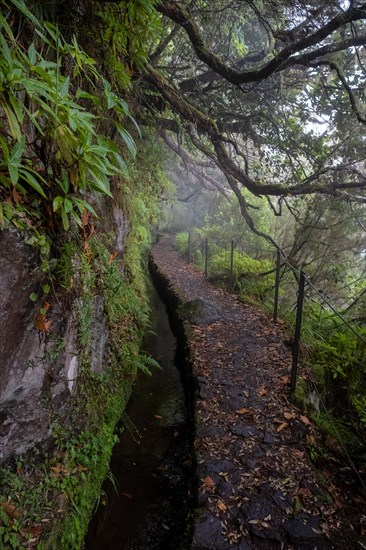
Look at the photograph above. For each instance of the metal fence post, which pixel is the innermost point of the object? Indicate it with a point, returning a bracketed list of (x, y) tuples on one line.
[(232, 257), (206, 256), (296, 348), (277, 285)]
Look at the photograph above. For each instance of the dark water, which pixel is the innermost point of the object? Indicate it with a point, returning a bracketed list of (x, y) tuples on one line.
[(148, 508)]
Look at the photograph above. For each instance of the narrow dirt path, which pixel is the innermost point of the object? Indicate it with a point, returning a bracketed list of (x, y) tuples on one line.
[(257, 487)]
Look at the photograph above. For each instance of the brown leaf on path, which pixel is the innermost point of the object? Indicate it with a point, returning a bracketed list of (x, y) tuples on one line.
[(157, 416), (263, 391), (281, 427), (221, 506), (289, 415), (243, 411), (208, 483), (304, 419), (297, 453), (285, 379)]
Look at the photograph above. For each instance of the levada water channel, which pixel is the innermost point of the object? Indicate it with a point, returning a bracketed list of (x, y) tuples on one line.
[(146, 503)]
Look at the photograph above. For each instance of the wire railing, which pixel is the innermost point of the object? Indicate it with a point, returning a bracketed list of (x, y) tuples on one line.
[(279, 262)]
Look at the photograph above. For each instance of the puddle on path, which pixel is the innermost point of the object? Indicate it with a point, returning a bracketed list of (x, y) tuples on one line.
[(151, 464)]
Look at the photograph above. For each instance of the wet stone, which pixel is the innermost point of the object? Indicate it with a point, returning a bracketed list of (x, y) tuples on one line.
[(281, 500), (225, 488), (210, 431), (266, 490), (205, 392), (233, 403), (257, 509), (208, 535), (248, 463), (244, 431), (277, 535), (304, 529), (269, 438), (223, 466), (200, 311), (243, 546)]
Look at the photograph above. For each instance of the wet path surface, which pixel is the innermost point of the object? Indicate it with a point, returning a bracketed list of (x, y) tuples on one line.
[(257, 487), (146, 506)]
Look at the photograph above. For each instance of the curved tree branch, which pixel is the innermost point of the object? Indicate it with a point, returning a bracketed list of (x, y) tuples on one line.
[(180, 15), (208, 126)]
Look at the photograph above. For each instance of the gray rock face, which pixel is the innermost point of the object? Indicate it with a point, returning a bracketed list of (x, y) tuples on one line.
[(38, 372), (24, 420)]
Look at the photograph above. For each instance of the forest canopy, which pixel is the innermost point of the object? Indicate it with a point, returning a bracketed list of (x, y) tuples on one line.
[(271, 93)]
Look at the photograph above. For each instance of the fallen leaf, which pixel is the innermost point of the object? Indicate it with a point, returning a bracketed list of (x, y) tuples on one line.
[(304, 419), (285, 379), (113, 256), (281, 427), (263, 390), (304, 491), (338, 502), (42, 323), (298, 505), (85, 217), (158, 416), (298, 454), (208, 483), (127, 495), (17, 197), (10, 511), (289, 415), (35, 530), (221, 506), (87, 249), (243, 411), (59, 470)]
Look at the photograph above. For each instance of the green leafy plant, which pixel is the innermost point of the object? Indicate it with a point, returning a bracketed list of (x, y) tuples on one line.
[(67, 157)]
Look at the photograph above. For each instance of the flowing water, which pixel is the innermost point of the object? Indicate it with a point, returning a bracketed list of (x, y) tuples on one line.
[(146, 506)]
